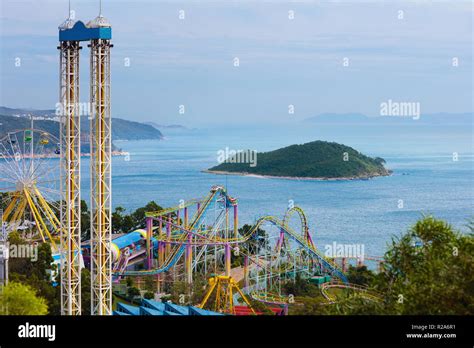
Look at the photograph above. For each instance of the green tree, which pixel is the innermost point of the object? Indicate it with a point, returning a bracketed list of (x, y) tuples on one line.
[(150, 283), (85, 291), (428, 270), (20, 299), (117, 219), (85, 221), (138, 215), (36, 273), (149, 295), (360, 275), (300, 287), (259, 307), (133, 292)]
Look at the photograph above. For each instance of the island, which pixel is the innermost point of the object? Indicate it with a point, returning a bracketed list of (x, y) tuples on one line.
[(317, 160)]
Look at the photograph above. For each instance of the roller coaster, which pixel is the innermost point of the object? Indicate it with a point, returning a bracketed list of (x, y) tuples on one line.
[(200, 238)]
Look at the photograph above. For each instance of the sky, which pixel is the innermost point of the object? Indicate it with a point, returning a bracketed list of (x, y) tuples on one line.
[(317, 56)]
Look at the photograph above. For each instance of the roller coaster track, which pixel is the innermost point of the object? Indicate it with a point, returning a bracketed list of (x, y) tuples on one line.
[(178, 251), (303, 240), (269, 298), (215, 228), (303, 220), (167, 211), (289, 232), (364, 291)]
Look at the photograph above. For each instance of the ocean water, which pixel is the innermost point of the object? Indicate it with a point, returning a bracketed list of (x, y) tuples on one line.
[(425, 177)]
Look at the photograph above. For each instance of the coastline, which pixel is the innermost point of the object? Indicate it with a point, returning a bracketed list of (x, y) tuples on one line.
[(52, 155), (262, 176)]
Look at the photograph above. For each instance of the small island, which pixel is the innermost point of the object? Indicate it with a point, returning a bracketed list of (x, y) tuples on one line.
[(317, 160)]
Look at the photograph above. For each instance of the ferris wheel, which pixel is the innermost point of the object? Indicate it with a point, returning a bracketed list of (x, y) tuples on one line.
[(29, 183)]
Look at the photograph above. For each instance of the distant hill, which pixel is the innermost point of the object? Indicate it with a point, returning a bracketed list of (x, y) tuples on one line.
[(333, 117), (317, 159), (425, 119), (161, 126), (25, 112), (13, 123), (121, 129), (128, 130)]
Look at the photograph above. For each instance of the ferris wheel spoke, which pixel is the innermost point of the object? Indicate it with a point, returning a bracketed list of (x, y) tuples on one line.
[(10, 171), (43, 210), (51, 196), (13, 141), (9, 157), (44, 164), (8, 183), (7, 180), (48, 190), (36, 157), (25, 153), (7, 189), (47, 184), (39, 154), (44, 172)]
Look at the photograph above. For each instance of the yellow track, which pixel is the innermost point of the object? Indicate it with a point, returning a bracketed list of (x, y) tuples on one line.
[(364, 291)]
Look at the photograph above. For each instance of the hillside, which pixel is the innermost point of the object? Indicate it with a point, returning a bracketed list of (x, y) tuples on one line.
[(128, 130), (121, 129), (317, 159), (25, 112)]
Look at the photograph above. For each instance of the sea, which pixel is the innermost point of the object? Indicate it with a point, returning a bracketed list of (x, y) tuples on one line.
[(432, 174)]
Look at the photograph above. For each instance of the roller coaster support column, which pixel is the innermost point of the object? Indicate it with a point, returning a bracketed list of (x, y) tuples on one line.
[(227, 231), (236, 222), (161, 252), (168, 235), (4, 247), (343, 264), (149, 246), (185, 217), (246, 271), (189, 259), (280, 241), (227, 259), (308, 238)]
